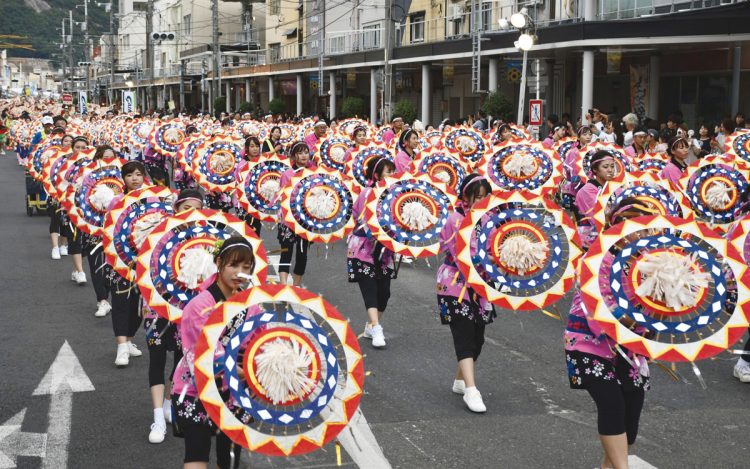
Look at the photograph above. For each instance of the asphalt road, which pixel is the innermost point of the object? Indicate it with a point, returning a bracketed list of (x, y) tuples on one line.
[(533, 421)]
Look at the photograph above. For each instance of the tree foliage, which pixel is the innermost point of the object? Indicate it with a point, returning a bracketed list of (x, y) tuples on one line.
[(406, 110), (353, 106), (497, 105), (276, 106)]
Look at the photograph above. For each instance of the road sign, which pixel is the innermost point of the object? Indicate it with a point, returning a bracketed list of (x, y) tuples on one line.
[(67, 98), (535, 112)]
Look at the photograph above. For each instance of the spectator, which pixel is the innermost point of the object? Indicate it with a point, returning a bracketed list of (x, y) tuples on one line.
[(630, 121)]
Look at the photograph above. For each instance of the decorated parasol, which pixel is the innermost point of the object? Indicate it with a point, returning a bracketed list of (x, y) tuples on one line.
[(167, 138), (442, 166), (51, 172), (288, 132), (518, 250), (519, 132), (302, 371), (177, 256), (317, 205), (249, 128), (186, 153), (431, 139), (380, 134), (41, 154), (87, 205), (648, 188), (677, 279), (652, 161), (260, 182), (215, 162), (360, 157), (129, 222), (467, 143), (333, 150), (713, 186), (564, 145), (139, 133), (522, 165), (347, 126), (738, 144), (406, 213)]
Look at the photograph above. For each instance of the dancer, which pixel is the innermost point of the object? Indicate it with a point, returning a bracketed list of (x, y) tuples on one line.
[(299, 155), (678, 151), (369, 264), (162, 336), (408, 143), (460, 306), (602, 170), (235, 256)]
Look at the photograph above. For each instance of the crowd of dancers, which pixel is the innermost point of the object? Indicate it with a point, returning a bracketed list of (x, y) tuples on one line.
[(470, 192)]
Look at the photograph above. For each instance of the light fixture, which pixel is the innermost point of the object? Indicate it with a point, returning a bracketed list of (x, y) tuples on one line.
[(525, 41), (129, 83), (504, 24), (519, 20)]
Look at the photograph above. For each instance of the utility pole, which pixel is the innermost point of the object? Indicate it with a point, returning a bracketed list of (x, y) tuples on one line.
[(87, 54), (215, 83), (72, 69), (64, 50), (321, 47), (112, 51), (149, 54), (390, 37)]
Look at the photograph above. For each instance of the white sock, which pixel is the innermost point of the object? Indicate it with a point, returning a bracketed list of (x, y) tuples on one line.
[(122, 348), (471, 388), (159, 417), (743, 361)]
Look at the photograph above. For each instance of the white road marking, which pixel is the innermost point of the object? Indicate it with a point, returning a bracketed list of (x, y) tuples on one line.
[(64, 377), (14, 442), (634, 462), (358, 440)]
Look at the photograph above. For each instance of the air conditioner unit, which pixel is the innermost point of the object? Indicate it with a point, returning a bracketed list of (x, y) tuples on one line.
[(456, 11)]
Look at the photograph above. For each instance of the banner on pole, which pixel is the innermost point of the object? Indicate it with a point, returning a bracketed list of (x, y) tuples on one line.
[(639, 90), (83, 102), (128, 101)]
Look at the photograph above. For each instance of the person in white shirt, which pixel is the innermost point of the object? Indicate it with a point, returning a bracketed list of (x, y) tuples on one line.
[(630, 121), (607, 135)]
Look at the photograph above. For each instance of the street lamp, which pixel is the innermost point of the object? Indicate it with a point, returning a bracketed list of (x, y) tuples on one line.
[(525, 42)]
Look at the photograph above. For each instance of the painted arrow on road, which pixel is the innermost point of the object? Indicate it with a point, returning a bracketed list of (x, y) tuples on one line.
[(14, 442), (64, 377)]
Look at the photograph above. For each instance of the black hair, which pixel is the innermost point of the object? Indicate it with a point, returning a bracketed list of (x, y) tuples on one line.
[(59, 118), (472, 185), (80, 139), (674, 141), (188, 193), (728, 125), (101, 149), (235, 250), (359, 128), (634, 207), (553, 118), (253, 139), (275, 127), (377, 165), (405, 136), (598, 157), (297, 148), (131, 167)]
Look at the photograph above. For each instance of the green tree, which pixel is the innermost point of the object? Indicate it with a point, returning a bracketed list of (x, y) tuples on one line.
[(220, 105), (352, 106), (406, 110), (497, 105), (246, 107), (276, 106)]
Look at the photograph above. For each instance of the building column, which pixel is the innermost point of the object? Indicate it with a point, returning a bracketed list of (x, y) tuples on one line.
[(557, 104), (299, 94), (247, 91), (270, 89), (332, 79), (426, 92), (373, 96), (587, 84), (228, 95), (589, 10), (237, 97), (211, 109), (736, 63), (653, 86), (492, 76)]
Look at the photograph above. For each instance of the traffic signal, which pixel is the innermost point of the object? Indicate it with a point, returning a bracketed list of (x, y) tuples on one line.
[(84, 64), (163, 36)]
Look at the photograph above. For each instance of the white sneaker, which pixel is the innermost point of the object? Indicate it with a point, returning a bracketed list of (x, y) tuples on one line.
[(73, 276), (473, 400), (368, 331), (742, 371), (103, 308), (133, 350), (123, 356), (56, 253), (64, 250), (167, 406), (157, 434), (378, 338), (459, 386), (81, 278)]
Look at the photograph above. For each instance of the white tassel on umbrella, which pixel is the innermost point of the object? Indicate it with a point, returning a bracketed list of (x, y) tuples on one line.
[(144, 226), (269, 189), (418, 126), (717, 195), (338, 153), (416, 216), (442, 176), (320, 203), (522, 254), (196, 265), (281, 368), (102, 197), (672, 279), (222, 162), (466, 144), (520, 164)]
